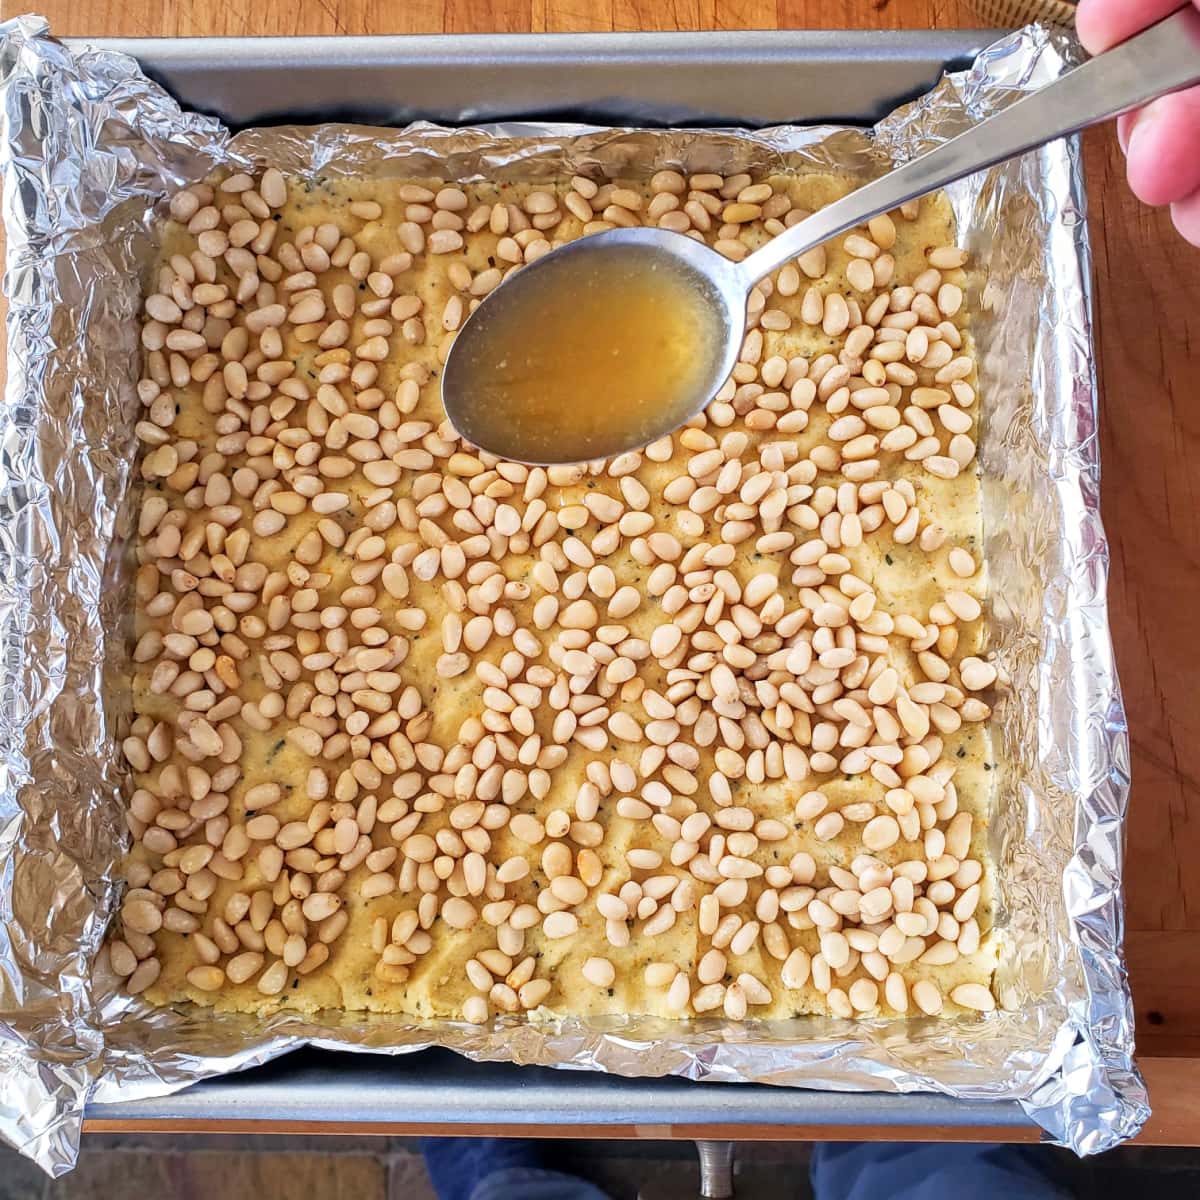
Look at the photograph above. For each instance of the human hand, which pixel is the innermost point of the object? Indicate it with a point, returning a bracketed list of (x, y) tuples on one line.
[(1161, 140)]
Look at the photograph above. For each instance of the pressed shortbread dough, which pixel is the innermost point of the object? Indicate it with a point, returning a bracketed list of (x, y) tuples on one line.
[(906, 579)]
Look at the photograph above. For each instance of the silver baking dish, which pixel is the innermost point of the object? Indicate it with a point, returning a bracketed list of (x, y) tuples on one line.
[(747, 79), (438, 1088)]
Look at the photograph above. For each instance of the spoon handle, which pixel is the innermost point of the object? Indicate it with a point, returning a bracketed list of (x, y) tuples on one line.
[(1164, 58)]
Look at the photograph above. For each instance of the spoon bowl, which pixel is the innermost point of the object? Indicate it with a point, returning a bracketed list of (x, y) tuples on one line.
[(627, 333)]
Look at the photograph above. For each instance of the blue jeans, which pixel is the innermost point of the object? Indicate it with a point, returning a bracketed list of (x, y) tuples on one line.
[(931, 1171), (500, 1169), (535, 1183)]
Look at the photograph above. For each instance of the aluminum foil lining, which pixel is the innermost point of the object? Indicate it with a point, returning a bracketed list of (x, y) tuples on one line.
[(89, 146)]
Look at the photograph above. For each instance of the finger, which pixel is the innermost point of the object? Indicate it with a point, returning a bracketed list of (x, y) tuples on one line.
[(1101, 24), (1163, 155), (1186, 215)]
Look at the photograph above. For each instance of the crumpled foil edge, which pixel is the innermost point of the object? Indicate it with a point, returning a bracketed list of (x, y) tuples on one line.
[(88, 145)]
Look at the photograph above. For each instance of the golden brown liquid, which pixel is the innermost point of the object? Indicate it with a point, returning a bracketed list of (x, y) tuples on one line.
[(596, 356)]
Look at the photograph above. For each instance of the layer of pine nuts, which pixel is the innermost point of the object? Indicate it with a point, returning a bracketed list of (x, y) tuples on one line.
[(696, 730)]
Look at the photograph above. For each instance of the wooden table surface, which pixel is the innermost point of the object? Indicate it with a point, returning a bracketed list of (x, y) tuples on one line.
[(1147, 331)]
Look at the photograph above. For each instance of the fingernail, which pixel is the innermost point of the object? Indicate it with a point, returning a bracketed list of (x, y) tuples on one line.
[(1141, 125), (1125, 129)]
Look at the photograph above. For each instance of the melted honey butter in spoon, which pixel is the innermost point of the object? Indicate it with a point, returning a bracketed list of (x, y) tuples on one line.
[(602, 355)]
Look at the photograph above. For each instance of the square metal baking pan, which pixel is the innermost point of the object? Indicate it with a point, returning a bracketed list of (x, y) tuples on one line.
[(696, 79)]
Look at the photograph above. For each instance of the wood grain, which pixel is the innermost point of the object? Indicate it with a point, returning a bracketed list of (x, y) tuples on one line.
[(653, 1133), (247, 18), (1147, 328), (1165, 966)]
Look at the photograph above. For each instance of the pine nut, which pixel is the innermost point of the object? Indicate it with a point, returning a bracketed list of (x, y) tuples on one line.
[(974, 996), (599, 972)]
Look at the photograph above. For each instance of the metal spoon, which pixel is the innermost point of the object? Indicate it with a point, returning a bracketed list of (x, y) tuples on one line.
[(1164, 58)]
